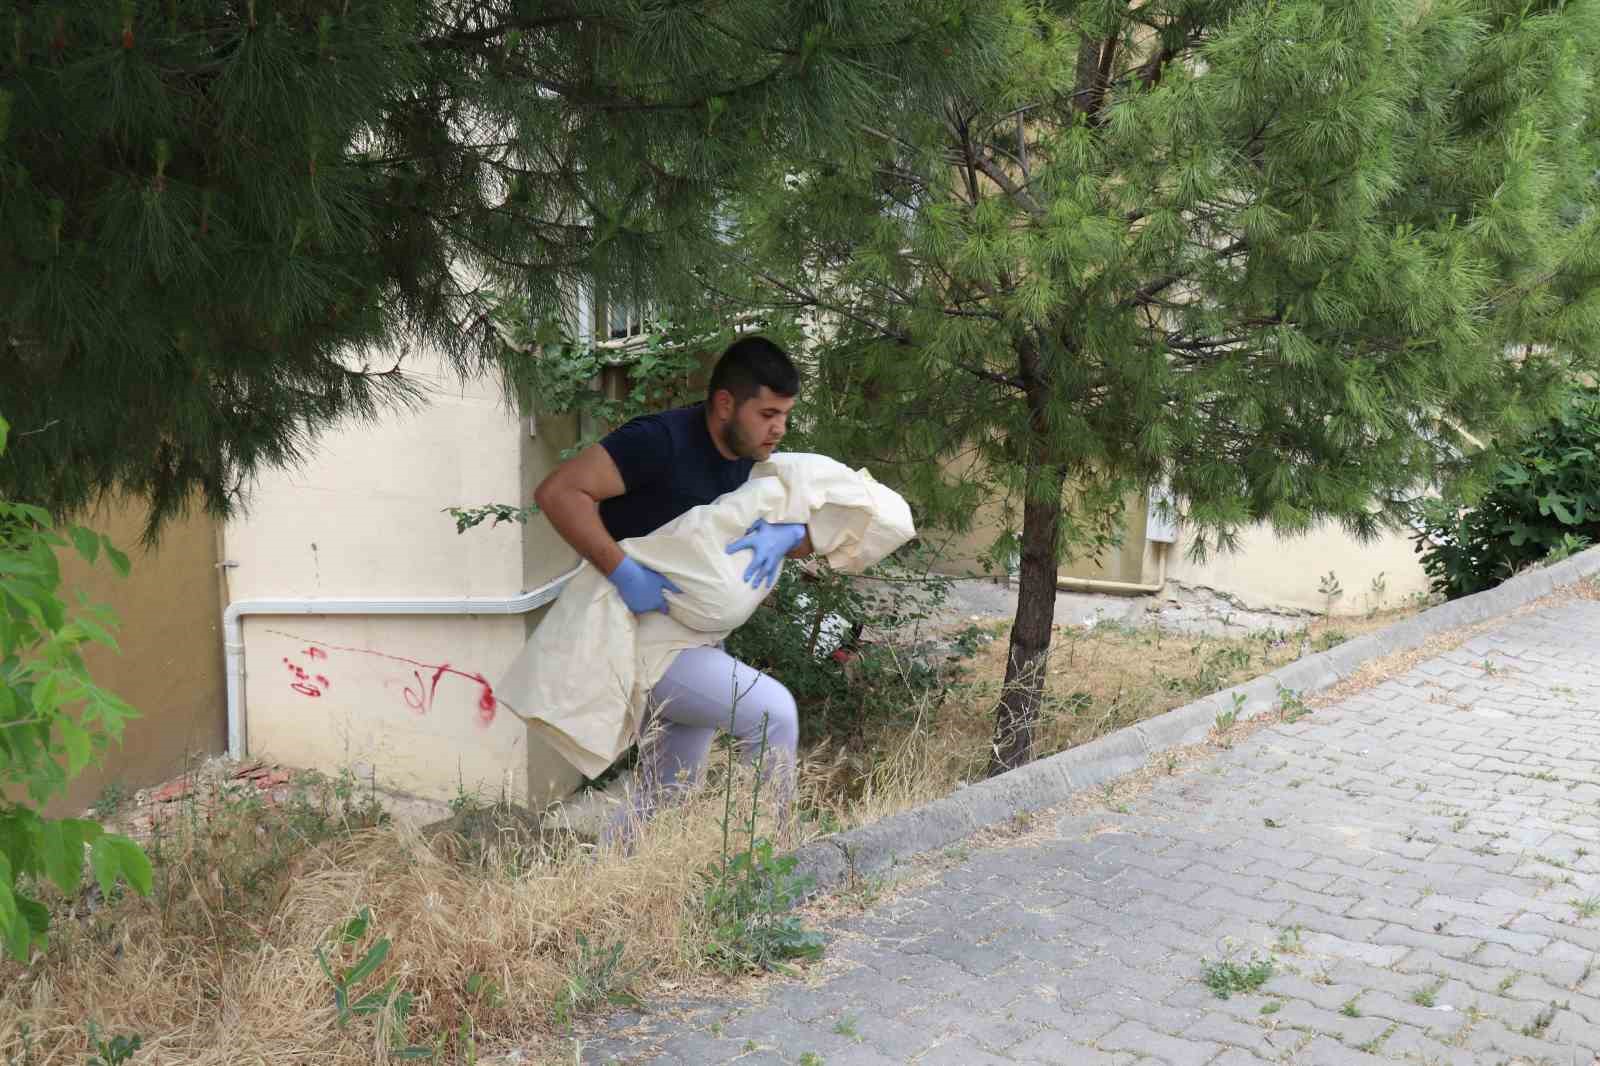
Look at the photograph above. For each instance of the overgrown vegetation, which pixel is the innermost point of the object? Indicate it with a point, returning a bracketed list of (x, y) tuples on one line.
[(750, 896), (1541, 503), (54, 721), (810, 631)]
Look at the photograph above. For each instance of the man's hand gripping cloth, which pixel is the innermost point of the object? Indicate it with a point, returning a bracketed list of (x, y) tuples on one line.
[(584, 675)]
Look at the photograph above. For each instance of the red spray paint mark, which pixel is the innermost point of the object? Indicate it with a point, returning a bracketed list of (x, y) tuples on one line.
[(303, 682), (418, 697)]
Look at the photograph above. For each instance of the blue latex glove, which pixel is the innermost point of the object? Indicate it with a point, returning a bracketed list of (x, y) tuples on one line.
[(641, 587), (767, 544)]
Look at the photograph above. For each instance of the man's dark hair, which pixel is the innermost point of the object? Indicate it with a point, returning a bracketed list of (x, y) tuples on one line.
[(749, 363)]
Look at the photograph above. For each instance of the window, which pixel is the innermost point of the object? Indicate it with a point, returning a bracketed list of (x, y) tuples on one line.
[(619, 318)]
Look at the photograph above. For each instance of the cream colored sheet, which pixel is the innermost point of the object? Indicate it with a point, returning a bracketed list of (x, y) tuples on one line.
[(582, 679)]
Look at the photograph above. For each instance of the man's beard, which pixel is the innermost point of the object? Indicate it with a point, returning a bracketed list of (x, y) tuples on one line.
[(735, 441)]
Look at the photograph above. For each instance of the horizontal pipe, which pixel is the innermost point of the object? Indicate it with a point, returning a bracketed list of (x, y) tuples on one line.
[(233, 628)]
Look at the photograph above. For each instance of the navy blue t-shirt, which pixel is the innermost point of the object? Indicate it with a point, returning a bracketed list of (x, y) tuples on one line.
[(668, 464)]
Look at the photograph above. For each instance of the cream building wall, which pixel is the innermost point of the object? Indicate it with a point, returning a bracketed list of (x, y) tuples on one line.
[(1267, 572), (1281, 573), (403, 698)]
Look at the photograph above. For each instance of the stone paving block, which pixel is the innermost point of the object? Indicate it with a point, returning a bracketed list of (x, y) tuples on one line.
[(1522, 943), (898, 1036), (1325, 995), (860, 1055), (1322, 1051), (1556, 970), (960, 1052), (1338, 947), (988, 1029), (1051, 1049), (1173, 1051), (1371, 979), (1070, 1021), (1455, 947), (1441, 1024), (1413, 1045), (1555, 1044), (1236, 1057), (1351, 1030), (1219, 1028)]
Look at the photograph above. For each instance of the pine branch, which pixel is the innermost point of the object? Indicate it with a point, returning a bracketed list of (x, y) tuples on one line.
[(1018, 194), (461, 40)]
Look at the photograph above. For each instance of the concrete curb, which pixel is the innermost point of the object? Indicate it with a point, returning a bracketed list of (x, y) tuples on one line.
[(1051, 780)]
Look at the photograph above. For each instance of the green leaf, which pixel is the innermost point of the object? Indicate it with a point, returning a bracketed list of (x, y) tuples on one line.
[(97, 633), (16, 928), (16, 839), (369, 963), (36, 914), (79, 745), (87, 541), (114, 856), (374, 1001), (60, 853), (322, 960), (5, 433), (119, 561), (356, 927), (135, 863)]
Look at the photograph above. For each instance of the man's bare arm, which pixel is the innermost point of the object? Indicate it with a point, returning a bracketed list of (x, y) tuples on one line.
[(570, 498)]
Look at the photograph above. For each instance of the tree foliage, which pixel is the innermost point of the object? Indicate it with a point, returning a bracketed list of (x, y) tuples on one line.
[(54, 720), (1273, 254), (226, 222)]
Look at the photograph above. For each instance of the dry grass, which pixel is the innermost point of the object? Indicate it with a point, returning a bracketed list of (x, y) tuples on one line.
[(1100, 679), (220, 966), (216, 968)]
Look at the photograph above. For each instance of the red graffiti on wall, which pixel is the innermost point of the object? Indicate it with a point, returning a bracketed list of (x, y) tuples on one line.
[(312, 685), (418, 697)]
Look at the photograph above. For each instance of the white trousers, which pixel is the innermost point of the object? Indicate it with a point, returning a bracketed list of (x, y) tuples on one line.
[(704, 690)]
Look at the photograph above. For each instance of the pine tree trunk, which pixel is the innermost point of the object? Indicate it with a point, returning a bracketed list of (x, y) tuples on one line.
[(1018, 710)]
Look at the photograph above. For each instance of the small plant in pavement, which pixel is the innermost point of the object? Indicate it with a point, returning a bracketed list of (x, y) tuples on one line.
[(1424, 997), (1225, 977), (1291, 708)]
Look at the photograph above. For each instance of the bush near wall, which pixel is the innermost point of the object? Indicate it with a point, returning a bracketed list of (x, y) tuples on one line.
[(1542, 503)]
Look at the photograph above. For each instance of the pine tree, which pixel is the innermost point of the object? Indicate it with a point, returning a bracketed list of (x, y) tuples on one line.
[(225, 222), (1274, 254)]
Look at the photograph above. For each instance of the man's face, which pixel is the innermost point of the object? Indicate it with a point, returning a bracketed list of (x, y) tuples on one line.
[(755, 427)]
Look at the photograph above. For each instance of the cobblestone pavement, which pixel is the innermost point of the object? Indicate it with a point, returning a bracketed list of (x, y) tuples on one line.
[(1420, 864)]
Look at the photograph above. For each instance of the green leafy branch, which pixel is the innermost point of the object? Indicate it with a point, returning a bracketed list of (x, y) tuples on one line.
[(54, 721)]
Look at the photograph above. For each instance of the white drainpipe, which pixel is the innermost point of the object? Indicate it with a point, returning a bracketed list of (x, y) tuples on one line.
[(233, 629)]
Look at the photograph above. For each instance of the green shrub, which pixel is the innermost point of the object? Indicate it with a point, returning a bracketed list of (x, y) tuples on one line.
[(1542, 502), (54, 720), (788, 636)]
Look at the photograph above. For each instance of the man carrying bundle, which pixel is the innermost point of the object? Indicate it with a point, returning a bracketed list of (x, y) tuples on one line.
[(648, 473)]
